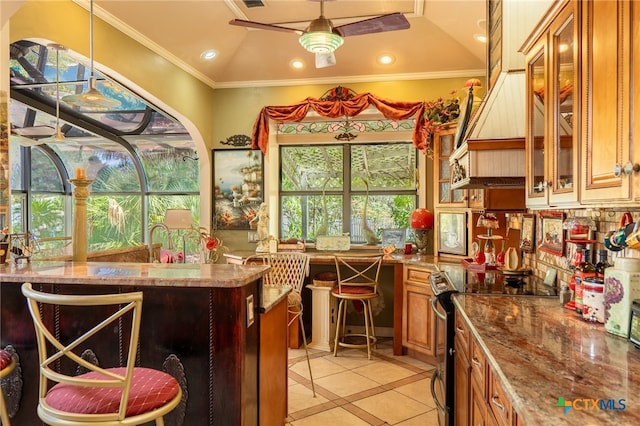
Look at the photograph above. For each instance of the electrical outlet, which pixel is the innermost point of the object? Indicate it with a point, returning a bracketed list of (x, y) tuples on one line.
[(252, 237), (250, 310)]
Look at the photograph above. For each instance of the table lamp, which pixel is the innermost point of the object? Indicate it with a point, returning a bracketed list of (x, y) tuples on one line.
[(179, 219)]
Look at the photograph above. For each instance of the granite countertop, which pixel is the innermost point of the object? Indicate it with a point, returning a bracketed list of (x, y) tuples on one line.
[(542, 352), (272, 296), (133, 274)]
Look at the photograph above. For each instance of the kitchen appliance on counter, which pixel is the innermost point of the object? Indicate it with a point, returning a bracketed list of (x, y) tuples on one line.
[(451, 279)]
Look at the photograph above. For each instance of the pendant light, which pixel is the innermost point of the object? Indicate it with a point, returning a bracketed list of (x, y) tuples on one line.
[(58, 136), (92, 99)]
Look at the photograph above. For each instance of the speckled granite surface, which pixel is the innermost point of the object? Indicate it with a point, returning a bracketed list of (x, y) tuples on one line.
[(542, 352), (139, 274)]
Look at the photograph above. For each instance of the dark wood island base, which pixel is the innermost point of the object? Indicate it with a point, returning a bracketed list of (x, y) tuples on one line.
[(200, 323)]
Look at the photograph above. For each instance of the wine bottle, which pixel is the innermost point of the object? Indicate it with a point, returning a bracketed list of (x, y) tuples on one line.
[(585, 269), (602, 263)]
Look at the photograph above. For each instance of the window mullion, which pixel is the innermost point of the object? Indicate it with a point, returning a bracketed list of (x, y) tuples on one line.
[(346, 186)]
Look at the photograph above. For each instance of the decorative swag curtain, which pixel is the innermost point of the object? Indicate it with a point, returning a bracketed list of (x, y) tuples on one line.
[(337, 107)]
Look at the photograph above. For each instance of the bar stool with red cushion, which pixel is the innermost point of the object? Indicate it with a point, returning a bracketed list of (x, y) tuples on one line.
[(7, 365), (122, 395), (357, 281)]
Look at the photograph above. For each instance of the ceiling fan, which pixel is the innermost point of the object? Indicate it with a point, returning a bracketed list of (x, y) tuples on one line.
[(322, 38)]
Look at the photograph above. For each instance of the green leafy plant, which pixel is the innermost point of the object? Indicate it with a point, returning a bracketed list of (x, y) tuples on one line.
[(439, 112)]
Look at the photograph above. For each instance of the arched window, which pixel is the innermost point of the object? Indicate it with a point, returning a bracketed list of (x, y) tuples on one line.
[(142, 160)]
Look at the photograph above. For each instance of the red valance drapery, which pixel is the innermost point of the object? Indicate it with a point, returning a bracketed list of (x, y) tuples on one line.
[(351, 107)]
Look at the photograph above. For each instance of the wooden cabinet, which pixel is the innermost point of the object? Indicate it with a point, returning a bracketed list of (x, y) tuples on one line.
[(273, 368), (606, 55), (480, 396), (418, 319), (443, 147), (462, 375), (553, 114), (498, 401), (478, 410), (582, 80), (511, 199)]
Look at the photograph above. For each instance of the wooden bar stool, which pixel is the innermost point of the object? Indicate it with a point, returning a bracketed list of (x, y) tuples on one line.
[(357, 281), (7, 365), (125, 395)]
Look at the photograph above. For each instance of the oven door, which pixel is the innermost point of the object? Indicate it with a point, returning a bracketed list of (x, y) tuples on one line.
[(439, 384)]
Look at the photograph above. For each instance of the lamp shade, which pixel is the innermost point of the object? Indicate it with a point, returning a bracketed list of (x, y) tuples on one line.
[(421, 218), (178, 218)]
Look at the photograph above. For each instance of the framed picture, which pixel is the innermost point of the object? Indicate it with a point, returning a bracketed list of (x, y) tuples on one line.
[(452, 233), (552, 233), (528, 233), (237, 187), (396, 236)]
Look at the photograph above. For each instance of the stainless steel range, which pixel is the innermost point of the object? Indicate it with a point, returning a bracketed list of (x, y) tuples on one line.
[(451, 279)]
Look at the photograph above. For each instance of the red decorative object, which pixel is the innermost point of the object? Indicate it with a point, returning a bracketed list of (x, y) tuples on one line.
[(421, 219)]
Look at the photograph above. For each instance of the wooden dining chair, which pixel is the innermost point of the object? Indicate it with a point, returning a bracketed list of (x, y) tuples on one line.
[(121, 395)]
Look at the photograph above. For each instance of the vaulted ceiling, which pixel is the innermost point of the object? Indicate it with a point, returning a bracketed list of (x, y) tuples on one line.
[(439, 43)]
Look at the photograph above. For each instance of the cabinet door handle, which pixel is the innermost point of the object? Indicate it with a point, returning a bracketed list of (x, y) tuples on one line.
[(476, 362), (459, 330), (494, 401)]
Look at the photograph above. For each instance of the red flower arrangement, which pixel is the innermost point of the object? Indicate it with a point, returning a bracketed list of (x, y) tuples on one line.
[(211, 246)]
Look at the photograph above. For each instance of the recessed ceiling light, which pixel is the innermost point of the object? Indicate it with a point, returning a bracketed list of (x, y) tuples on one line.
[(297, 64), (386, 59), (480, 37), (208, 54)]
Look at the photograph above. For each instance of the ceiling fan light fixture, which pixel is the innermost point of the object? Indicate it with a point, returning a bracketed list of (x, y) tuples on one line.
[(321, 42)]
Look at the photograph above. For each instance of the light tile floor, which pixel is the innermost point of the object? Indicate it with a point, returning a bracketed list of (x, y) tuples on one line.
[(353, 391)]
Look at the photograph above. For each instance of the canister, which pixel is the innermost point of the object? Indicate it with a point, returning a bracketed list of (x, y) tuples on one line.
[(621, 287), (593, 299)]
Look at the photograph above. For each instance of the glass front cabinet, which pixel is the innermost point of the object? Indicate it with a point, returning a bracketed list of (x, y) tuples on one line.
[(443, 142), (552, 144), (582, 78)]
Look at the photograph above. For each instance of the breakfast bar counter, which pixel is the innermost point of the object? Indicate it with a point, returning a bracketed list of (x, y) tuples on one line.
[(554, 367), (201, 323), (394, 261)]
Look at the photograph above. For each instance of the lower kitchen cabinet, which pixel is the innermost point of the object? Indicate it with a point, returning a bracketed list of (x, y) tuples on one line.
[(418, 319), (480, 399), (462, 380)]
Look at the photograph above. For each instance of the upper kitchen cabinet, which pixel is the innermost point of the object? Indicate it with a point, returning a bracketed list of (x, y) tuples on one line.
[(553, 107), (580, 81), (606, 74), (444, 142)]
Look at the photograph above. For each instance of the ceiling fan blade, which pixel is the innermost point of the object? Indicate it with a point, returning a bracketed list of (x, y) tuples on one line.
[(324, 60), (391, 22), (261, 26)]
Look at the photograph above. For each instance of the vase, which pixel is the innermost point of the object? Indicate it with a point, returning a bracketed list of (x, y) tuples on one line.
[(421, 240)]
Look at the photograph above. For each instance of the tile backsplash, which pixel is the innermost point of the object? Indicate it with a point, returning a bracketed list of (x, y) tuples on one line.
[(606, 220)]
